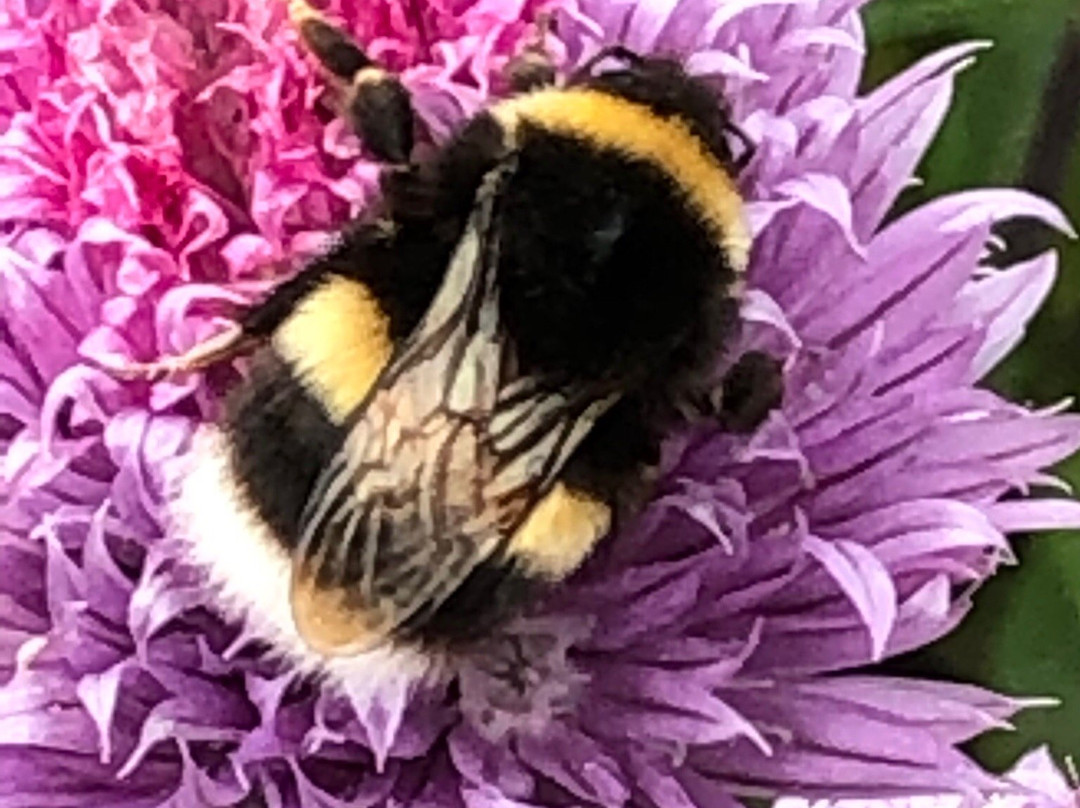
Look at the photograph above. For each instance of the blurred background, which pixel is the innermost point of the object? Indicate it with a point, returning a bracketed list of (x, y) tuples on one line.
[(1015, 122)]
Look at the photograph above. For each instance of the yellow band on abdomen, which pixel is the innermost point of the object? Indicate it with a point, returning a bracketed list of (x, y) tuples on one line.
[(337, 341)]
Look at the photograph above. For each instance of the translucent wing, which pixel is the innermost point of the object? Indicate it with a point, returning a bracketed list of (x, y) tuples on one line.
[(441, 464)]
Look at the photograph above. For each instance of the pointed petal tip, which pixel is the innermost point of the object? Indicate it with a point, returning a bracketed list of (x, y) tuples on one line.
[(967, 54), (1037, 702), (1056, 217), (960, 56)]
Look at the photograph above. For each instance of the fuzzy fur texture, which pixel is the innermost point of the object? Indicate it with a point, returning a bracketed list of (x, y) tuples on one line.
[(250, 572), (718, 647)]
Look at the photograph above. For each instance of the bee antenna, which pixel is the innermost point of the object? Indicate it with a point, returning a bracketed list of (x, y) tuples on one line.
[(748, 147), (620, 52)]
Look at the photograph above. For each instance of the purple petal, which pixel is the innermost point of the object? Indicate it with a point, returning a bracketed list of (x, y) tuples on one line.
[(865, 580), (157, 158)]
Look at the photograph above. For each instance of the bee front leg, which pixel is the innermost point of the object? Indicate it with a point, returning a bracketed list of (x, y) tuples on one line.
[(220, 348), (376, 104), (254, 325), (752, 388)]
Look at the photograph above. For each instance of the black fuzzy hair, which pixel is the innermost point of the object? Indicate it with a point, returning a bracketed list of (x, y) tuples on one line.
[(606, 272)]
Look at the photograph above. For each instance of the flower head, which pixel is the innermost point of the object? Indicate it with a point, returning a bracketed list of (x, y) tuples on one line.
[(158, 159)]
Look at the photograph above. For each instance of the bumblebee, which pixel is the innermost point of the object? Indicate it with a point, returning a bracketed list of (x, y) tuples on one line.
[(446, 411)]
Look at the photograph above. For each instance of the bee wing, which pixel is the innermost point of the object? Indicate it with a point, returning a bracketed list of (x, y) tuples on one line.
[(440, 465)]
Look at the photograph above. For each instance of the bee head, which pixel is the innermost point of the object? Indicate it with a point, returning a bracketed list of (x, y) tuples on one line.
[(663, 85)]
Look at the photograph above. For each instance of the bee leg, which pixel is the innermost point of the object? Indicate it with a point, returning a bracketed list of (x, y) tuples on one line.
[(220, 348), (376, 103), (748, 149), (752, 388), (254, 325), (532, 69)]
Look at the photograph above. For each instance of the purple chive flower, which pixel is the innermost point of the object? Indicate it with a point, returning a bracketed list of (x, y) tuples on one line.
[(158, 160), (1033, 782)]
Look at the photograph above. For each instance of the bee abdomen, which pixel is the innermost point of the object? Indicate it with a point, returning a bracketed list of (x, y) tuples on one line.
[(280, 438)]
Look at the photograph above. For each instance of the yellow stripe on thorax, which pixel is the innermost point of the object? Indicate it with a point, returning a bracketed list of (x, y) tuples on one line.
[(337, 341), (615, 123)]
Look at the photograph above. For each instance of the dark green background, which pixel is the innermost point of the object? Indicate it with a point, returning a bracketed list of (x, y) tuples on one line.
[(1013, 123)]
